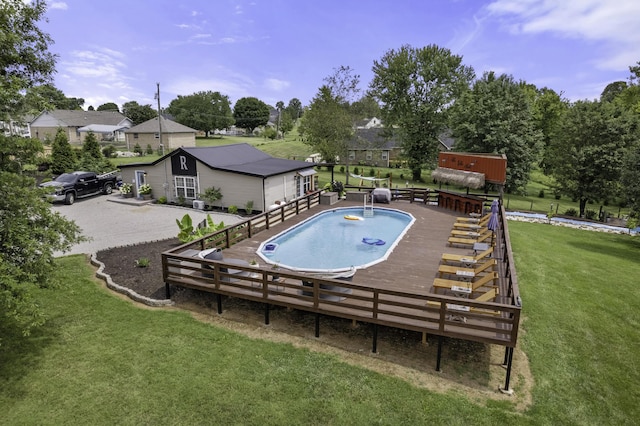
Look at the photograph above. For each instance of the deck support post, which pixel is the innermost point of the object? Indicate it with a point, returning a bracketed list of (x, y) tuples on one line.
[(439, 356), (219, 303), (375, 339), (506, 390), (167, 291), (266, 313), (317, 325)]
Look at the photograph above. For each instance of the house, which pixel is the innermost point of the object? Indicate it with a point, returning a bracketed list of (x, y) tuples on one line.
[(371, 147), (241, 172), (17, 127), (77, 123), (369, 123), (174, 135)]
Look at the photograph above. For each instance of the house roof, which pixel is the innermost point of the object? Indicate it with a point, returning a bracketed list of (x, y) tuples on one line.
[(238, 158), (80, 118), (100, 128), (372, 138), (168, 126)]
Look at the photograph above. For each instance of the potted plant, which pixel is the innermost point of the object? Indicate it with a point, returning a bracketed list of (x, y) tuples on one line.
[(145, 191), (125, 190)]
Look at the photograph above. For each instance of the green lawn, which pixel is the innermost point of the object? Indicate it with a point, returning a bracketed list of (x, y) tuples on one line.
[(102, 360)]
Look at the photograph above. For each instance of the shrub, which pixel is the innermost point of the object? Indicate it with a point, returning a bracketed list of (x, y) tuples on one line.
[(590, 214), (109, 151), (372, 172), (149, 149), (162, 200), (571, 212), (143, 262), (341, 169), (356, 171), (233, 209), (137, 149), (248, 207), (211, 195), (541, 193)]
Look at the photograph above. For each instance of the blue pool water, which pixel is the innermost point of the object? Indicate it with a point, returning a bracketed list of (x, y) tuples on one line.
[(327, 242)]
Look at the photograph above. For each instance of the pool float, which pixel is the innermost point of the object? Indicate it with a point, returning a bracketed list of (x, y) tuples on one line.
[(373, 241), (351, 217)]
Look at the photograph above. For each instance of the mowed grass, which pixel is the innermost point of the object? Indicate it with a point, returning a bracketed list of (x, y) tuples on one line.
[(102, 360)]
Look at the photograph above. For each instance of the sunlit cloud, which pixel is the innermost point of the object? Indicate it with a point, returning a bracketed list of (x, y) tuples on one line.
[(276, 84), (58, 5)]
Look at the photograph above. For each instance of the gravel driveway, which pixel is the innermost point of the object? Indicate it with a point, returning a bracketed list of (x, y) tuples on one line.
[(111, 223)]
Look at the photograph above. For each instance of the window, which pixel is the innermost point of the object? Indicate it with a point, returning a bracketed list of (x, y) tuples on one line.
[(352, 155), (135, 136), (185, 186), (385, 155), (156, 135), (369, 155)]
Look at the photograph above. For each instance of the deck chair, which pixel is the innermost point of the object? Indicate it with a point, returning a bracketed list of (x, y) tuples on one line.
[(464, 226), (486, 280), (467, 233), (460, 272), (466, 259), (469, 242), (476, 220), (456, 311)]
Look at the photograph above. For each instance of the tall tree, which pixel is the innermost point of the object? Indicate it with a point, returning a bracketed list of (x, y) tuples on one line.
[(294, 108), (24, 57), (325, 126), (612, 91), (30, 232), (416, 87), (365, 107), (250, 113), (204, 111), (548, 109), (630, 178), (109, 106), (279, 108), (495, 117), (589, 151), (62, 155), (48, 97), (138, 113)]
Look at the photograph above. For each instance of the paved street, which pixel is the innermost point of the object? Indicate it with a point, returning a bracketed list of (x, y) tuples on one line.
[(113, 224)]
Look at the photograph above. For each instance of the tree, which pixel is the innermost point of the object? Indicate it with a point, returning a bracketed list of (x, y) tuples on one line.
[(589, 150), (325, 126), (286, 123), (294, 108), (204, 111), (279, 107), (630, 178), (109, 106), (495, 117), (47, 97), (24, 58), (16, 152), (365, 107), (612, 91), (91, 157), (548, 109), (62, 155), (415, 88), (138, 113), (250, 113)]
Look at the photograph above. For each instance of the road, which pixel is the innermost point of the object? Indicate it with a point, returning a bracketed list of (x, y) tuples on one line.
[(110, 223)]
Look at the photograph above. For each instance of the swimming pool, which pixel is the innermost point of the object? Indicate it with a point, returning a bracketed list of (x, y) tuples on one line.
[(338, 240)]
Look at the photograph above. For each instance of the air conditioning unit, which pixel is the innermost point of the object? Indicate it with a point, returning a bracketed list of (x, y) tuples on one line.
[(198, 204)]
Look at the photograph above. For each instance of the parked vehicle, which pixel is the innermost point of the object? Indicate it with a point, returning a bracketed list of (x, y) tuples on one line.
[(70, 186)]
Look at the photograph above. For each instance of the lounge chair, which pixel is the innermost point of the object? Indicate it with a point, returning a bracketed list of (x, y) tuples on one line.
[(456, 311), (487, 280), (469, 242), (466, 259), (476, 220), (467, 233), (464, 226), (460, 272)]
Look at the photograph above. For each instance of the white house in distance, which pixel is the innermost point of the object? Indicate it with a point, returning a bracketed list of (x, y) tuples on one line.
[(243, 173), (77, 123), (174, 135)]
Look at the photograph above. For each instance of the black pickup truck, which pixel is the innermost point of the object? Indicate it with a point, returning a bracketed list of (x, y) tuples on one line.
[(69, 186)]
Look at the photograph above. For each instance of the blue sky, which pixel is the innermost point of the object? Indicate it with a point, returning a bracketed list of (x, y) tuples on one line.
[(116, 51)]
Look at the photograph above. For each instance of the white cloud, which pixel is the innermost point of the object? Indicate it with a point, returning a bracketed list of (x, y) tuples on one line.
[(614, 23), (60, 5), (276, 84)]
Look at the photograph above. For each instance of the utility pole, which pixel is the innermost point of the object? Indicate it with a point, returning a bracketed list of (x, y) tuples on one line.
[(159, 119)]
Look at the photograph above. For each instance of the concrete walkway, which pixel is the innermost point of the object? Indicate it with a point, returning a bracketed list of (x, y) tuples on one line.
[(112, 221)]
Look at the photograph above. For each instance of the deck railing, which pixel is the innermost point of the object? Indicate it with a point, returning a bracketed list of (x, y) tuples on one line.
[(489, 322)]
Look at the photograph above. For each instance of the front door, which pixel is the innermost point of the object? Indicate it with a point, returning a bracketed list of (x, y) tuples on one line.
[(140, 179)]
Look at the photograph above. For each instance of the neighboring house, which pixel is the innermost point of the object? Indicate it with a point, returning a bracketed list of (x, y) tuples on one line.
[(18, 127), (446, 140), (243, 173), (174, 135), (77, 123), (369, 123), (369, 147)]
